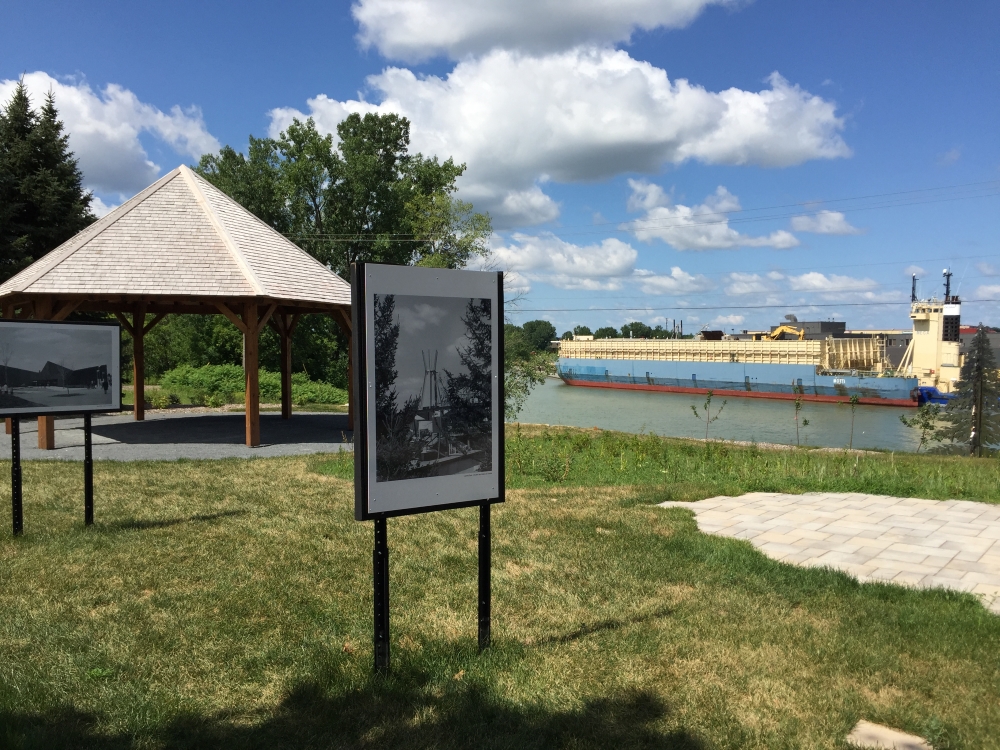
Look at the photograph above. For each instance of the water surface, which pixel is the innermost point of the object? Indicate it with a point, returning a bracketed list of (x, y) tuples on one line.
[(754, 419)]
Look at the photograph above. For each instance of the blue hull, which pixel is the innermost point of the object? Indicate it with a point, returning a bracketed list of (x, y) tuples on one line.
[(737, 379)]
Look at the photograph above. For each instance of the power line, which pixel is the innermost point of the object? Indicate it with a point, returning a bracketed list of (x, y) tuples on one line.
[(972, 187), (726, 307)]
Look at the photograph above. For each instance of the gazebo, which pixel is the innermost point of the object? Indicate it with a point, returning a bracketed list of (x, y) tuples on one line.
[(182, 246)]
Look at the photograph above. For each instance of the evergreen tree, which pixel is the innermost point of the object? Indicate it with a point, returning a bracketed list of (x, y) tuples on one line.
[(470, 395), (972, 417), (42, 200)]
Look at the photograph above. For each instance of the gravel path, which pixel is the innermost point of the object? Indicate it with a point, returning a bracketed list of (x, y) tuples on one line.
[(951, 544), (172, 435)]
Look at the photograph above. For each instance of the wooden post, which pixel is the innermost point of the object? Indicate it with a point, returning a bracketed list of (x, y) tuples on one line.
[(250, 347), (285, 334), (139, 361), (46, 425)]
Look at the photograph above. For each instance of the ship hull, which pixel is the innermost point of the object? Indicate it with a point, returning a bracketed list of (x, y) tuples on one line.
[(737, 380)]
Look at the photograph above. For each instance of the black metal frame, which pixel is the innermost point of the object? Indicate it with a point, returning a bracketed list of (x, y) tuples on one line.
[(16, 492), (380, 553), (75, 410)]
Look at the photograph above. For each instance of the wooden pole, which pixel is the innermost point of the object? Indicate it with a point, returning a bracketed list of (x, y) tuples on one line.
[(139, 361), (46, 425), (285, 333), (250, 347)]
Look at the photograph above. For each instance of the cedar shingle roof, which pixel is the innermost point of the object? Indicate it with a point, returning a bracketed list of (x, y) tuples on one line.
[(181, 236)]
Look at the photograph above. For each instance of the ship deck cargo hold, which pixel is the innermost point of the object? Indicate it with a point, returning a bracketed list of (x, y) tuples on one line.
[(831, 369)]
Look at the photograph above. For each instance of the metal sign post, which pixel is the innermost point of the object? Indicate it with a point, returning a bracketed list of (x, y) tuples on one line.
[(88, 473), (380, 569), (15, 475), (485, 564)]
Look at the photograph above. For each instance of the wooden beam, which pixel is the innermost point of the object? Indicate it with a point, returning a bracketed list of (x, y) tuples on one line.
[(285, 335), (294, 322), (149, 326), (250, 364), (234, 318), (139, 361), (46, 425), (343, 320), (267, 315), (125, 324), (67, 308)]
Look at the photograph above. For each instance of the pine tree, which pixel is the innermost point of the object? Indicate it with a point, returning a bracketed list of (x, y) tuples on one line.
[(972, 417), (42, 200)]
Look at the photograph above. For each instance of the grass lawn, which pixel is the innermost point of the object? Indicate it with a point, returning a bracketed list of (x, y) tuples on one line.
[(228, 604)]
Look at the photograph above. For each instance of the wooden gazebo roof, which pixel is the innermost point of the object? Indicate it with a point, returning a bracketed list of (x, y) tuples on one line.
[(178, 245), (183, 246)]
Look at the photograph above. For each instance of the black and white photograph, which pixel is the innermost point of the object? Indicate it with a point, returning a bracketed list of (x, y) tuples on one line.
[(433, 386), (58, 367)]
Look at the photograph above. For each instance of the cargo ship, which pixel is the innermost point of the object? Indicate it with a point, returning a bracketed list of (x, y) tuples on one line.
[(822, 361)]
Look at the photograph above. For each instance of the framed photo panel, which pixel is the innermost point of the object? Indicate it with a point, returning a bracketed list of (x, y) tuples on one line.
[(428, 388), (59, 368)]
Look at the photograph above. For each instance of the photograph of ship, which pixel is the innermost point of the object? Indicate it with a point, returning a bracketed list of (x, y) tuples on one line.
[(54, 368), (433, 386)]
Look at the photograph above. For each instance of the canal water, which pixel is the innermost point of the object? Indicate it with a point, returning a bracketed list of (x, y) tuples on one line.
[(752, 419)]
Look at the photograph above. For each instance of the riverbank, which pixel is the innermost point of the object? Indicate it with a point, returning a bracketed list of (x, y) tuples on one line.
[(743, 419)]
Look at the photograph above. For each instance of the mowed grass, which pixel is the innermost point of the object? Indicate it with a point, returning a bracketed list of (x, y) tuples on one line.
[(228, 604)]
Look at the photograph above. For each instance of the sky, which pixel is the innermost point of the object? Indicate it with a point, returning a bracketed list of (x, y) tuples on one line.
[(722, 162), (418, 318), (31, 346)]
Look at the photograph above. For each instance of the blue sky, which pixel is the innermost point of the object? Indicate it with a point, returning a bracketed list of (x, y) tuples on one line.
[(623, 148)]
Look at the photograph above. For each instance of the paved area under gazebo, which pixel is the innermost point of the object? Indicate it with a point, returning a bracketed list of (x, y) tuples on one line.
[(166, 436)]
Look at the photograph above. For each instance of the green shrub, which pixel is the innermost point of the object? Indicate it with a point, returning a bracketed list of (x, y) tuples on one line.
[(217, 385), (161, 399)]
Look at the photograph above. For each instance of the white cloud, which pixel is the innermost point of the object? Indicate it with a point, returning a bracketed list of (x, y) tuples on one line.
[(519, 120), (727, 320), (99, 208), (104, 129), (775, 286), (824, 222), (413, 31), (702, 227), (814, 281), (914, 270), (949, 157), (988, 291), (678, 282), (549, 259), (986, 269)]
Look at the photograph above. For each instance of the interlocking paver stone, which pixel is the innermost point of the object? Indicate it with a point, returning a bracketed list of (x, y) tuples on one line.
[(951, 544)]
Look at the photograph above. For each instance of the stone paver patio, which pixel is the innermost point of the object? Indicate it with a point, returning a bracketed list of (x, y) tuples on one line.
[(952, 544)]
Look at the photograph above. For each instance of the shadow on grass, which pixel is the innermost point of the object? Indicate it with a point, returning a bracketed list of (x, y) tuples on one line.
[(606, 625), (141, 524), (398, 713)]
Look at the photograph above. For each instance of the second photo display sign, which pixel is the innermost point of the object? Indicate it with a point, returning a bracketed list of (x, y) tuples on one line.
[(428, 388)]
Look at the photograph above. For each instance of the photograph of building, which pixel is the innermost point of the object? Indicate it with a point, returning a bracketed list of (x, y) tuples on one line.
[(58, 367)]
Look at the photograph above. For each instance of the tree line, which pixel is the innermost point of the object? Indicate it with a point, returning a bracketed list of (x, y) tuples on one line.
[(633, 330)]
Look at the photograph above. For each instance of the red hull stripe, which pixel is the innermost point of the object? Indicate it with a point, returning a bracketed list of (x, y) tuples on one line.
[(744, 394)]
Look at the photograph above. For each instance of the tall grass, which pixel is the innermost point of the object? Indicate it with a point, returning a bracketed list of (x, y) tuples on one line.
[(689, 470)]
